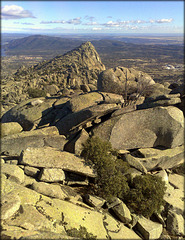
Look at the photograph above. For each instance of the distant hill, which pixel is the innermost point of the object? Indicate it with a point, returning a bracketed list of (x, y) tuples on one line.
[(40, 45), (109, 50), (149, 58)]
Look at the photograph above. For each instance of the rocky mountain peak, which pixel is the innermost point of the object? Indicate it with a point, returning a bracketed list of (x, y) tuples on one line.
[(77, 67)]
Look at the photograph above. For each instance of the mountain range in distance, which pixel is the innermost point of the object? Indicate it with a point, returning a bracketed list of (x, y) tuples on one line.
[(54, 45)]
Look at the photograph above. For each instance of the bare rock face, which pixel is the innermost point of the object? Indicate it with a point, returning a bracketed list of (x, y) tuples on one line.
[(52, 158), (114, 80), (159, 126)]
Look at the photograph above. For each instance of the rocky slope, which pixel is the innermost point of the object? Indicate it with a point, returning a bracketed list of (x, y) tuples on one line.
[(71, 70), (46, 181)]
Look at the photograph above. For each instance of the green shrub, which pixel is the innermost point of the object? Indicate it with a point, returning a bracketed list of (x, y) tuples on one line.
[(34, 93), (144, 196), (81, 233), (147, 194), (110, 180)]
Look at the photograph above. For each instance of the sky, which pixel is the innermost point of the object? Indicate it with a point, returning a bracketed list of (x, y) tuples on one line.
[(61, 17)]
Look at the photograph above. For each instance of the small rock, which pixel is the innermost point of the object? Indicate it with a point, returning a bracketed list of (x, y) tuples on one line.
[(122, 212), (10, 128), (36, 102), (13, 171), (10, 204), (175, 223), (94, 201), (49, 190), (163, 174), (177, 181), (31, 171), (148, 228), (52, 175)]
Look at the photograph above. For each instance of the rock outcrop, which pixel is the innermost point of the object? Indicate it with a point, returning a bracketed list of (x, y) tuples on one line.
[(159, 126), (71, 70), (121, 79)]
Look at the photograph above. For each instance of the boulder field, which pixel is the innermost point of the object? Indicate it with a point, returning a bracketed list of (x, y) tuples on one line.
[(45, 179)]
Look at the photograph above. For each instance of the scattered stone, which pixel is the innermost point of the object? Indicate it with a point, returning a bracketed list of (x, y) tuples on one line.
[(148, 228), (161, 100), (14, 162), (122, 212), (75, 179), (85, 88), (52, 175), (177, 181), (13, 171), (31, 171), (94, 201), (162, 159), (33, 218), (175, 223), (36, 102), (10, 128), (163, 174), (123, 233), (80, 102), (10, 204), (50, 190), (76, 144), (79, 119), (174, 199)]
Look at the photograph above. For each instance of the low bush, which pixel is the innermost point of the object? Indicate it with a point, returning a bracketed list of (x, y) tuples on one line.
[(81, 233), (144, 195), (34, 93), (110, 181), (147, 194)]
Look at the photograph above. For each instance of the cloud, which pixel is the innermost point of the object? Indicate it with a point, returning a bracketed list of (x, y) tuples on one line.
[(26, 23), (89, 18), (91, 23), (109, 16), (164, 20), (71, 21), (48, 22), (15, 12), (75, 21), (96, 29)]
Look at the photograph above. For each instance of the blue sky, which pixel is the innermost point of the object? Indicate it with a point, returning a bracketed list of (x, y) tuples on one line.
[(92, 17)]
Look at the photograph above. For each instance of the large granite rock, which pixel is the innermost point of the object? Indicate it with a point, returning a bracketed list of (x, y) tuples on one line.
[(151, 159), (14, 144), (52, 158), (30, 112), (82, 101), (120, 80), (159, 126), (81, 118)]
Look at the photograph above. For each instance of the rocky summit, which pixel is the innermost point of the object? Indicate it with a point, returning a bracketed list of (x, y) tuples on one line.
[(74, 69), (50, 186)]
